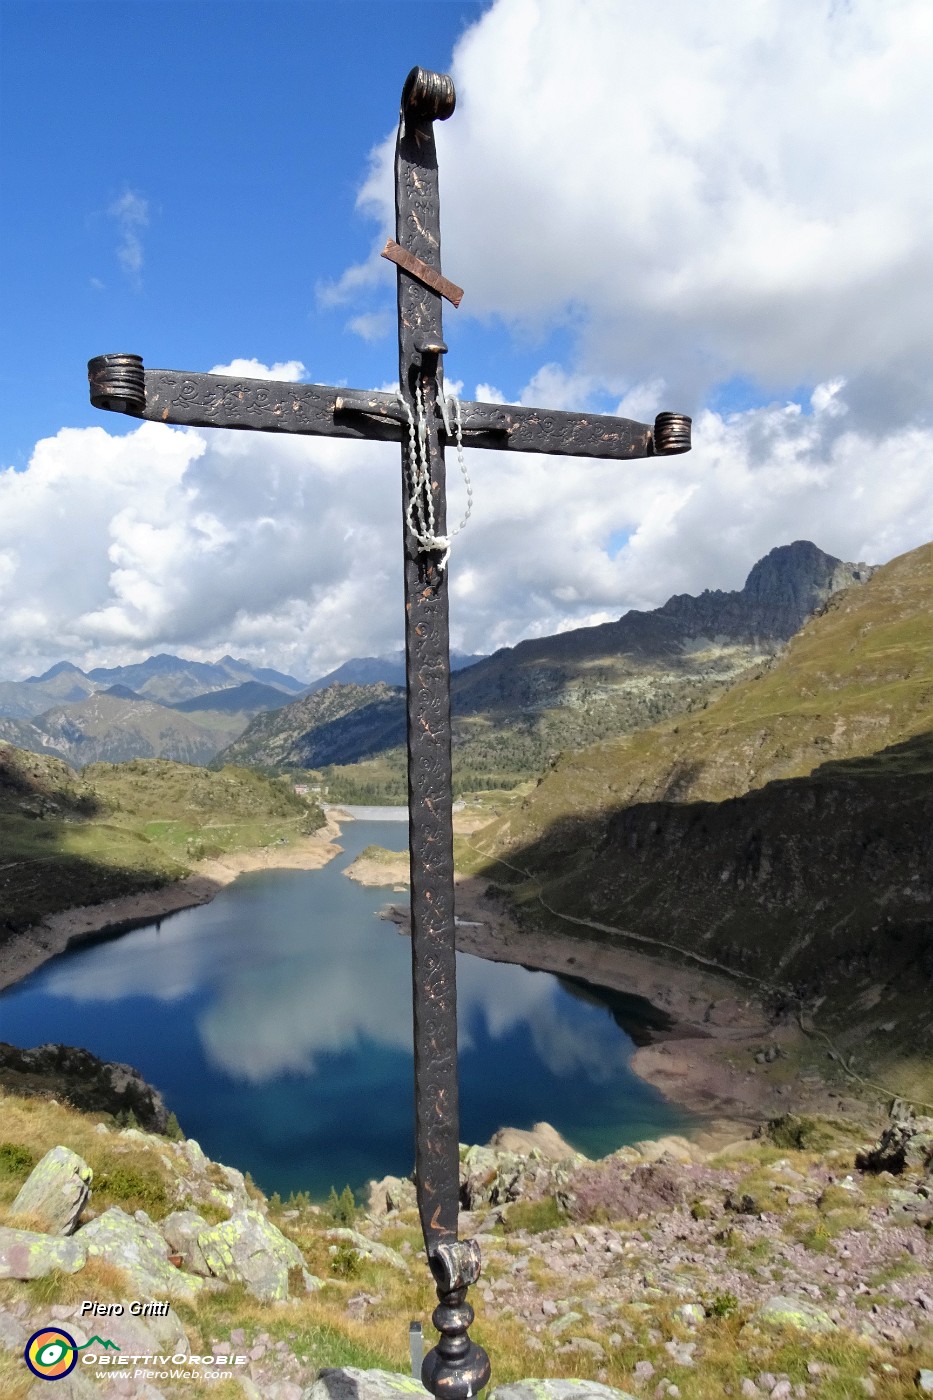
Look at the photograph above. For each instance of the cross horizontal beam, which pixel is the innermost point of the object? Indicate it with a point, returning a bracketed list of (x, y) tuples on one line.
[(121, 383)]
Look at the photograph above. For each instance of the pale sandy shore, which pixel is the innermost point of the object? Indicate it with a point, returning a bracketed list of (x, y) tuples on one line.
[(704, 1060), (25, 952)]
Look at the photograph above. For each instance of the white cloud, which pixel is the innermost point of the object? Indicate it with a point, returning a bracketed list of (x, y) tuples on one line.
[(699, 191), (371, 325), (131, 214), (287, 550), (291, 371)]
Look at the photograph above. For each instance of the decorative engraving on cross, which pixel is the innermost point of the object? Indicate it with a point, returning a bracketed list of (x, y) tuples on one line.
[(457, 1367)]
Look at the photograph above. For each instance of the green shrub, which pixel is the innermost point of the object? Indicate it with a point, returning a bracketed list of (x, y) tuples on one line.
[(534, 1216), (345, 1261), (134, 1187), (15, 1160), (721, 1305)]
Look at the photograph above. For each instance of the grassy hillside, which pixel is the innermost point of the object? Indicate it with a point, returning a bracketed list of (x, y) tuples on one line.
[(857, 679), (120, 828), (785, 833)]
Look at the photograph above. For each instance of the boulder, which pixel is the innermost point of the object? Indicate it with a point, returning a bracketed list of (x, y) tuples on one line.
[(380, 1253), (56, 1191), (247, 1248), (556, 1390), (793, 1312), (181, 1230), (350, 1383), (391, 1193), (141, 1252), (25, 1254)]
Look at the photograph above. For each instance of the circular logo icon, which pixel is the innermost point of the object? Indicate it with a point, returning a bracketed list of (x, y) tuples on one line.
[(51, 1354)]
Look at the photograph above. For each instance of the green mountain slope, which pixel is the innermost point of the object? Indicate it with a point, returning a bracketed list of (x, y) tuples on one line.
[(336, 725), (729, 836), (857, 678), (70, 840), (107, 727)]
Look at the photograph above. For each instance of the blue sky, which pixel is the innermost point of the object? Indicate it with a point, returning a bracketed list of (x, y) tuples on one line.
[(742, 231)]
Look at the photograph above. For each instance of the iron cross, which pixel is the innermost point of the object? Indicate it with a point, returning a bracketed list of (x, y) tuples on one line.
[(419, 419)]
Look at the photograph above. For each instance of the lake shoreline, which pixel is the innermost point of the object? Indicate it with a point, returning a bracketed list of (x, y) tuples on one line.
[(703, 1061), (25, 952)]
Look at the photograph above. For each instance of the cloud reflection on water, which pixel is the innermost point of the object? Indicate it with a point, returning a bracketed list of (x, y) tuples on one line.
[(285, 993)]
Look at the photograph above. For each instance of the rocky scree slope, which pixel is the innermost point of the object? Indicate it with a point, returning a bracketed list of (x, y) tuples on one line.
[(799, 1265)]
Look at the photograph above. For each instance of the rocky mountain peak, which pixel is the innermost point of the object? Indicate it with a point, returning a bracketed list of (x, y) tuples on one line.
[(800, 576), (782, 590)]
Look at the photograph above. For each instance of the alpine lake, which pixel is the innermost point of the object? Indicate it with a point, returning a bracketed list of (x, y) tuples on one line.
[(276, 1021)]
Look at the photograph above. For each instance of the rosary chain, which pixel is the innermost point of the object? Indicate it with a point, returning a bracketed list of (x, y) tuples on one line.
[(420, 514)]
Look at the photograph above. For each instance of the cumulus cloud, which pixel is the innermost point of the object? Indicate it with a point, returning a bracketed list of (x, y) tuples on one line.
[(291, 371), (700, 191), (701, 194), (288, 550)]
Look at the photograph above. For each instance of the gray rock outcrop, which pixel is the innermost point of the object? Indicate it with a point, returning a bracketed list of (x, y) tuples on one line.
[(248, 1249), (905, 1145), (26, 1254), (92, 1085), (141, 1252), (56, 1191)]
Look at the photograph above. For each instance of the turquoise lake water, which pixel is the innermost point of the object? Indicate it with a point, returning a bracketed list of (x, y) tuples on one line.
[(276, 1021)]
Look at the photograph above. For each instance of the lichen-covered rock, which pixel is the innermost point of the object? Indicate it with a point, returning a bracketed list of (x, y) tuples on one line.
[(181, 1230), (27, 1254), (247, 1248), (490, 1176), (557, 1390), (391, 1193), (141, 1252), (56, 1191), (381, 1253), (350, 1383), (794, 1312)]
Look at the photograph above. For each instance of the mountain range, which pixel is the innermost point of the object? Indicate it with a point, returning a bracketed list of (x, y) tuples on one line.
[(163, 678), (516, 710)]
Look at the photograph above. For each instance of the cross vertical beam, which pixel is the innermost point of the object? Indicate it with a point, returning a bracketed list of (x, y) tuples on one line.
[(456, 1367), (120, 383)]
